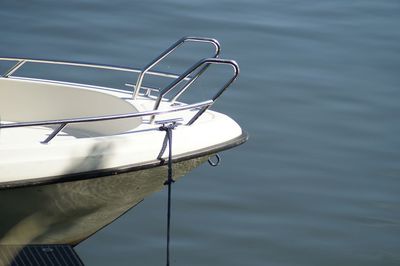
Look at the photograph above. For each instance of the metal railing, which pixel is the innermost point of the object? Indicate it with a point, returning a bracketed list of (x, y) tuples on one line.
[(64, 122), (202, 64), (171, 49), (198, 69)]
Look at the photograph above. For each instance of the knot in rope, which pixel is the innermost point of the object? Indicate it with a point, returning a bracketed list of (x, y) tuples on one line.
[(167, 142)]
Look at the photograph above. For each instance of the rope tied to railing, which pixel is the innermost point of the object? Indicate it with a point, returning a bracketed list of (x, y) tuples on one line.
[(168, 142)]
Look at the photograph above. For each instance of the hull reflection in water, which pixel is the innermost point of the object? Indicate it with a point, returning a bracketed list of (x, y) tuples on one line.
[(69, 212)]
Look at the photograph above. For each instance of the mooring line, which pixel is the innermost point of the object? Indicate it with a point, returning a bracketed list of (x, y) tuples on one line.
[(168, 141)]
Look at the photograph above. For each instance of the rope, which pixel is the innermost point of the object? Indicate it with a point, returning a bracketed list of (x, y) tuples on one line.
[(168, 141)]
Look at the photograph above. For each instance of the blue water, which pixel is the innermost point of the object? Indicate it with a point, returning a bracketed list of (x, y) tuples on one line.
[(318, 183)]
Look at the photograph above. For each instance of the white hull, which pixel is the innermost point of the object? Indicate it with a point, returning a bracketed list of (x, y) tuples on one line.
[(74, 157), (69, 212)]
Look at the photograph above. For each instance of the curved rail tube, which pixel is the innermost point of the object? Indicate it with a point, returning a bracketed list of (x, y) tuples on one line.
[(172, 48), (201, 63)]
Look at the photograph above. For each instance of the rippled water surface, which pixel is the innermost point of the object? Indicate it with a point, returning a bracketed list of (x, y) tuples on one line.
[(318, 182)]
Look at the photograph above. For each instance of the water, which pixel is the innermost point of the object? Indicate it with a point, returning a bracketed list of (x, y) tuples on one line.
[(318, 182)]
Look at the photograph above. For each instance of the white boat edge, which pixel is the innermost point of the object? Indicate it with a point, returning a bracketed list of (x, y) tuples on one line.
[(66, 185)]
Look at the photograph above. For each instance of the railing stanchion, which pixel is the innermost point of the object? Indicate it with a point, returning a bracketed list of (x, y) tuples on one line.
[(14, 68)]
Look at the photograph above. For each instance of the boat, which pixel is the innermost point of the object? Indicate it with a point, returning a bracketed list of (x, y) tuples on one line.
[(74, 156)]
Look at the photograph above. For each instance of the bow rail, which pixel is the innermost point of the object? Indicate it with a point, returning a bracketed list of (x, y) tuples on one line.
[(171, 49), (197, 69)]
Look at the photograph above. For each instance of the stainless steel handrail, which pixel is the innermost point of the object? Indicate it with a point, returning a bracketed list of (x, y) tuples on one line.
[(168, 51), (200, 67), (205, 62), (64, 122), (14, 68), (22, 61)]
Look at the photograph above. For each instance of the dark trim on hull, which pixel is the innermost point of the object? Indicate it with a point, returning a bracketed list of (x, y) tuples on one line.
[(124, 169)]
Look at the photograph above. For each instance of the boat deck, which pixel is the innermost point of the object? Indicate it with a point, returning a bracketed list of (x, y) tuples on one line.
[(36, 134)]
